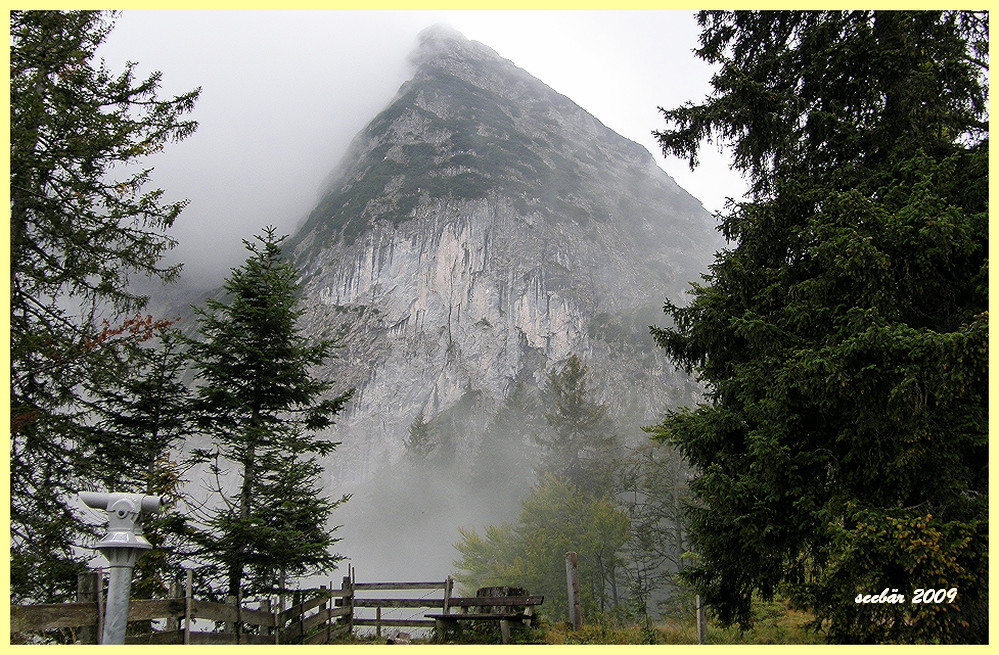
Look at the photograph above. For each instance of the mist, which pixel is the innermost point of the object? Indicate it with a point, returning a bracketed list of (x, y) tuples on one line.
[(402, 524), (282, 96), (284, 93)]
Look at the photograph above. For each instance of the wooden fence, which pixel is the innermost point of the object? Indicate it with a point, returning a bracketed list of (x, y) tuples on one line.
[(383, 606), (317, 616)]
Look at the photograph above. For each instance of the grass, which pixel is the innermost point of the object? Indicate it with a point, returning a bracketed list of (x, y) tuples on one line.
[(776, 623)]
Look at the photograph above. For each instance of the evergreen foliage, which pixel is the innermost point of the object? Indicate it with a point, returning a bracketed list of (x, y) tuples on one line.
[(507, 447), (582, 446), (81, 222), (144, 412), (421, 443), (844, 335), (262, 408)]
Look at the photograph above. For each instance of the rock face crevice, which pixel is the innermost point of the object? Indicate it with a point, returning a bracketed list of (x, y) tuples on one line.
[(481, 229)]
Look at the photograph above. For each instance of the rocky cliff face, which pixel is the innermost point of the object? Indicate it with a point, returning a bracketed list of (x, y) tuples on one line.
[(481, 230)]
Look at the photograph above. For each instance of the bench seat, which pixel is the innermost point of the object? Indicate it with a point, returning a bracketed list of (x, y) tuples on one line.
[(519, 610)]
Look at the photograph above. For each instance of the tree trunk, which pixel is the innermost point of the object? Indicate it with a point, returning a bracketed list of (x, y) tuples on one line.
[(245, 493), (613, 581)]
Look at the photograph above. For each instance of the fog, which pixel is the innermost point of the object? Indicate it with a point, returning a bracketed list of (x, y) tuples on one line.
[(403, 523), (282, 95), (284, 92)]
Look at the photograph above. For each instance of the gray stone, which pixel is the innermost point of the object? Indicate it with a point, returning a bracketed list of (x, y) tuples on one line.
[(482, 229)]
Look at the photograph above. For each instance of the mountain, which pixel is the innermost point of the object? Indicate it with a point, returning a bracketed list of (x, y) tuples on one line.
[(480, 230)]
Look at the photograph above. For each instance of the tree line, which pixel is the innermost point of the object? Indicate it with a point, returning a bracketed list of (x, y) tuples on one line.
[(587, 491), (842, 337)]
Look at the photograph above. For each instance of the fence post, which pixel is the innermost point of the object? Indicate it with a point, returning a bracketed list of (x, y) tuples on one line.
[(86, 592), (348, 602), (229, 627), (702, 621), (99, 574), (265, 606), (296, 601), (328, 607), (175, 591), (323, 608), (448, 588), (188, 602), (281, 593), (572, 586)]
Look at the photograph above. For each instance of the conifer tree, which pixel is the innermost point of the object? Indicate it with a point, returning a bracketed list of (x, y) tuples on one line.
[(263, 410), (508, 445), (81, 222), (421, 441), (844, 335), (145, 413), (582, 446)]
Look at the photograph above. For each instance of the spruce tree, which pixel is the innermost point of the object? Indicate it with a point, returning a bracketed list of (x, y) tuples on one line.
[(264, 411), (508, 445), (81, 223), (582, 446), (843, 336), (144, 412), (421, 442)]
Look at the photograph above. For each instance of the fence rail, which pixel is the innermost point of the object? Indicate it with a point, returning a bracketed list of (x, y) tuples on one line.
[(380, 605), (313, 618), (317, 616)]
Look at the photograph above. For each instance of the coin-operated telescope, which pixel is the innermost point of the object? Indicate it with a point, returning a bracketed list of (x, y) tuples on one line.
[(122, 546)]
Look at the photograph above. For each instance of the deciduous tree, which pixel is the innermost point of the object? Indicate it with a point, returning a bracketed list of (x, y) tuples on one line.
[(555, 518), (654, 493)]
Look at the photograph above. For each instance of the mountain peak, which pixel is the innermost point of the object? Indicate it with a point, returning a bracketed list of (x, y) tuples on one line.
[(482, 229), (471, 125), (441, 32), (442, 47)]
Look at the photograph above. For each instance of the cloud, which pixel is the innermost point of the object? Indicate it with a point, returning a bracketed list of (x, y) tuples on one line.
[(282, 95), (284, 92)]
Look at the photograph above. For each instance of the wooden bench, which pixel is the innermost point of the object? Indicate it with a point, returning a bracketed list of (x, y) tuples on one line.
[(519, 609)]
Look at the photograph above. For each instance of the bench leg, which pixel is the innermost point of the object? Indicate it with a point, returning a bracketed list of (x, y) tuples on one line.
[(439, 630), (446, 629), (505, 630)]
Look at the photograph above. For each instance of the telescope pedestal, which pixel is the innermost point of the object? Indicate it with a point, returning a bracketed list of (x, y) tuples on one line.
[(121, 561)]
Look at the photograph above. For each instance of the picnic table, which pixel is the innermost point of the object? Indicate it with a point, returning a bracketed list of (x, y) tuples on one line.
[(506, 605)]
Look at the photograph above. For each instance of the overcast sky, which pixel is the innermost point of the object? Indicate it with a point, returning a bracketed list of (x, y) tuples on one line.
[(284, 92)]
